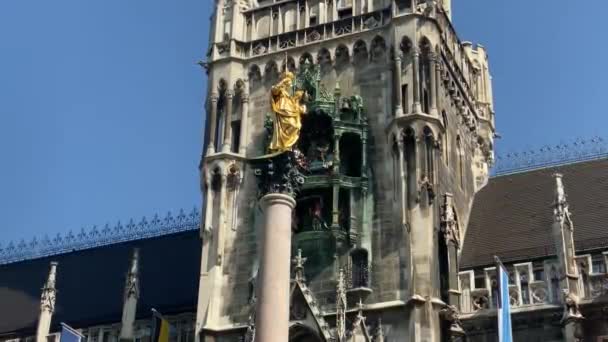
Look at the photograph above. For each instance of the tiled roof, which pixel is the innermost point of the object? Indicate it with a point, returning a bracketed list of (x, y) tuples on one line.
[(512, 215), (90, 283)]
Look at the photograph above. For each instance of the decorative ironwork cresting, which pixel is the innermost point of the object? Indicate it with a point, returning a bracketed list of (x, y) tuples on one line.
[(547, 156), (69, 242)]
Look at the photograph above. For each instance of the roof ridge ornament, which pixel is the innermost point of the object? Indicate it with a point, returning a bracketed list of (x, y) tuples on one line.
[(40, 248), (578, 150)]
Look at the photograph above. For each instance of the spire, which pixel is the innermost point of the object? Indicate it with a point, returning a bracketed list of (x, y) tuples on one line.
[(561, 213), (341, 307), (131, 296), (47, 304), (132, 283)]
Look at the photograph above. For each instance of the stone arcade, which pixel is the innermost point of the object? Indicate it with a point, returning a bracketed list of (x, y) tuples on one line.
[(379, 223)]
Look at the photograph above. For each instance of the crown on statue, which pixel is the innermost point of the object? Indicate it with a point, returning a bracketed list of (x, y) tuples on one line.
[(288, 74)]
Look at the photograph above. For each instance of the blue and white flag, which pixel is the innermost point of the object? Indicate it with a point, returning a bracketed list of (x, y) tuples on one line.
[(69, 335), (505, 332)]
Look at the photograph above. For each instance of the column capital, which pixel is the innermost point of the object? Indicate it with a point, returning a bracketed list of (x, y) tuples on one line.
[(280, 174), (214, 97), (245, 98)]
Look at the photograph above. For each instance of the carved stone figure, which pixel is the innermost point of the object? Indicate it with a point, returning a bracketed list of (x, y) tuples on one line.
[(571, 307), (288, 111)]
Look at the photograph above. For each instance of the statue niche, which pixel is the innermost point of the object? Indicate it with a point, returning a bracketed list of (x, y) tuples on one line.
[(316, 142)]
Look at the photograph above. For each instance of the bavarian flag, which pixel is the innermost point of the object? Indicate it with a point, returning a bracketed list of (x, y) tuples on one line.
[(160, 327), (505, 330)]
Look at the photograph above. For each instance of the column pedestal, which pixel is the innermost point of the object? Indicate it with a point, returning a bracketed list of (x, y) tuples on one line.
[(272, 312)]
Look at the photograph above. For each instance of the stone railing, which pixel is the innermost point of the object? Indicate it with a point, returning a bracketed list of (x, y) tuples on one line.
[(524, 289)]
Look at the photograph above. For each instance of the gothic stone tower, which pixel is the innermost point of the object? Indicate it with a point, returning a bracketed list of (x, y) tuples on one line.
[(398, 137)]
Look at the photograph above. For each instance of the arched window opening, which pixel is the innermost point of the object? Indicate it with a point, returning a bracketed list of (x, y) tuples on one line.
[(271, 72), (425, 74), (460, 166), (396, 170), (342, 56), (378, 50), (235, 125), (429, 151), (255, 76), (403, 5), (263, 26), (406, 50), (324, 59), (360, 53), (305, 60), (446, 138), (411, 181), (350, 155), (555, 293), (525, 288), (290, 65), (598, 264), (290, 20), (360, 268), (221, 114)]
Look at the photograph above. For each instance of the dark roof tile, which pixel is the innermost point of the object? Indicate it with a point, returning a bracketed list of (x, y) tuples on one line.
[(512, 216), (90, 283)]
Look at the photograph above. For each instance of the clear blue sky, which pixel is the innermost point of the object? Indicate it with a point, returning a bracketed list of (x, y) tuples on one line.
[(101, 101)]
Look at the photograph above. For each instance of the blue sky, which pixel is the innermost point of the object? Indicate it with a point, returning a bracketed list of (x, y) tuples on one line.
[(101, 101)]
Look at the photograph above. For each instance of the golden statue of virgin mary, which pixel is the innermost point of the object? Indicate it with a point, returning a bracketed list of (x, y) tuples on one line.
[(288, 111)]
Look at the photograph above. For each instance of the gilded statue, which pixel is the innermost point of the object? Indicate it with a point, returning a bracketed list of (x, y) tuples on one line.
[(288, 110)]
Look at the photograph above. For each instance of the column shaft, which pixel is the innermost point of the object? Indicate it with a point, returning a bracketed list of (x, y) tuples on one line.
[(433, 74), (398, 95), (227, 123), (416, 107), (272, 312), (244, 123), (212, 124)]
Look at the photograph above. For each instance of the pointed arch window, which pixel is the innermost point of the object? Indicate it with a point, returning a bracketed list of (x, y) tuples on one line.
[(446, 138), (424, 77), (429, 150), (460, 164)]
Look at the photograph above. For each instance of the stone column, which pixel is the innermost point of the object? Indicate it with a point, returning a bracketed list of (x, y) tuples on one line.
[(47, 305), (212, 124), (131, 296), (433, 74), (398, 95), (272, 317), (228, 122), (416, 106), (279, 180), (244, 119)]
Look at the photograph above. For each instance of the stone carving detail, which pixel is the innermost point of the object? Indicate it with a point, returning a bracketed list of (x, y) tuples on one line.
[(132, 283), (260, 49), (280, 173), (449, 226), (371, 22), (343, 28), (313, 36), (571, 306), (47, 299), (452, 316)]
